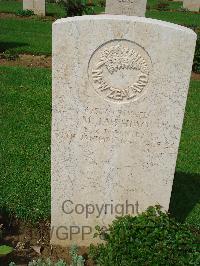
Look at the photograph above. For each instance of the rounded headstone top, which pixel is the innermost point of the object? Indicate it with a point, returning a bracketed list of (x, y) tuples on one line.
[(126, 19)]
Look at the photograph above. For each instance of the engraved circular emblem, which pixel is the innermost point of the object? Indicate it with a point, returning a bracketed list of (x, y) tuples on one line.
[(119, 71)]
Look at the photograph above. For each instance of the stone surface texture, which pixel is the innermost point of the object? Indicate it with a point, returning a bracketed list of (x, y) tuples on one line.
[(192, 5), (126, 7), (28, 4), (120, 86), (38, 6)]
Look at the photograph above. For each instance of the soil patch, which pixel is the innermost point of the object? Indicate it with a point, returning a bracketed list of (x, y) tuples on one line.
[(12, 15), (32, 242), (28, 61), (44, 61), (7, 15), (195, 76)]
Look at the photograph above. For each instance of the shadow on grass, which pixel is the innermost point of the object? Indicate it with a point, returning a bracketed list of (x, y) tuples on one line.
[(51, 14), (55, 15), (9, 222), (10, 45), (185, 195)]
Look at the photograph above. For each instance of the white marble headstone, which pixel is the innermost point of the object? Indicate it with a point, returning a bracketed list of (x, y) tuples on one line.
[(37, 6), (28, 4), (192, 5), (120, 86), (126, 7)]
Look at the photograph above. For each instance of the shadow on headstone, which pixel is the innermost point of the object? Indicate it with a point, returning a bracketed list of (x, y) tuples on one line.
[(185, 195), (10, 45)]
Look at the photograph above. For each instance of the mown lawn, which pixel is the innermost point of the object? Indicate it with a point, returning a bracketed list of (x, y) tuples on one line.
[(182, 18), (25, 36), (33, 35), (25, 107), (25, 104), (185, 203), (172, 5), (10, 6)]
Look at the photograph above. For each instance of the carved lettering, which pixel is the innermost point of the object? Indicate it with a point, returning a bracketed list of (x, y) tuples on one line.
[(122, 61), (126, 1)]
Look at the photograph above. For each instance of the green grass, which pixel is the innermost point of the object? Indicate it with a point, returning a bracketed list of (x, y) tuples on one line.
[(10, 6), (25, 109), (56, 10), (25, 95), (185, 203), (182, 18), (25, 36), (33, 36), (172, 5), (189, 151)]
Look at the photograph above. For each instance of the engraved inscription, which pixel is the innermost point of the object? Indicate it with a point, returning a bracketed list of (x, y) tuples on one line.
[(119, 71), (126, 1), (99, 126), (126, 6)]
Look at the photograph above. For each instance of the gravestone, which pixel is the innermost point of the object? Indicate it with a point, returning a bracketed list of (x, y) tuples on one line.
[(28, 4), (192, 5), (37, 6), (119, 93), (126, 7)]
